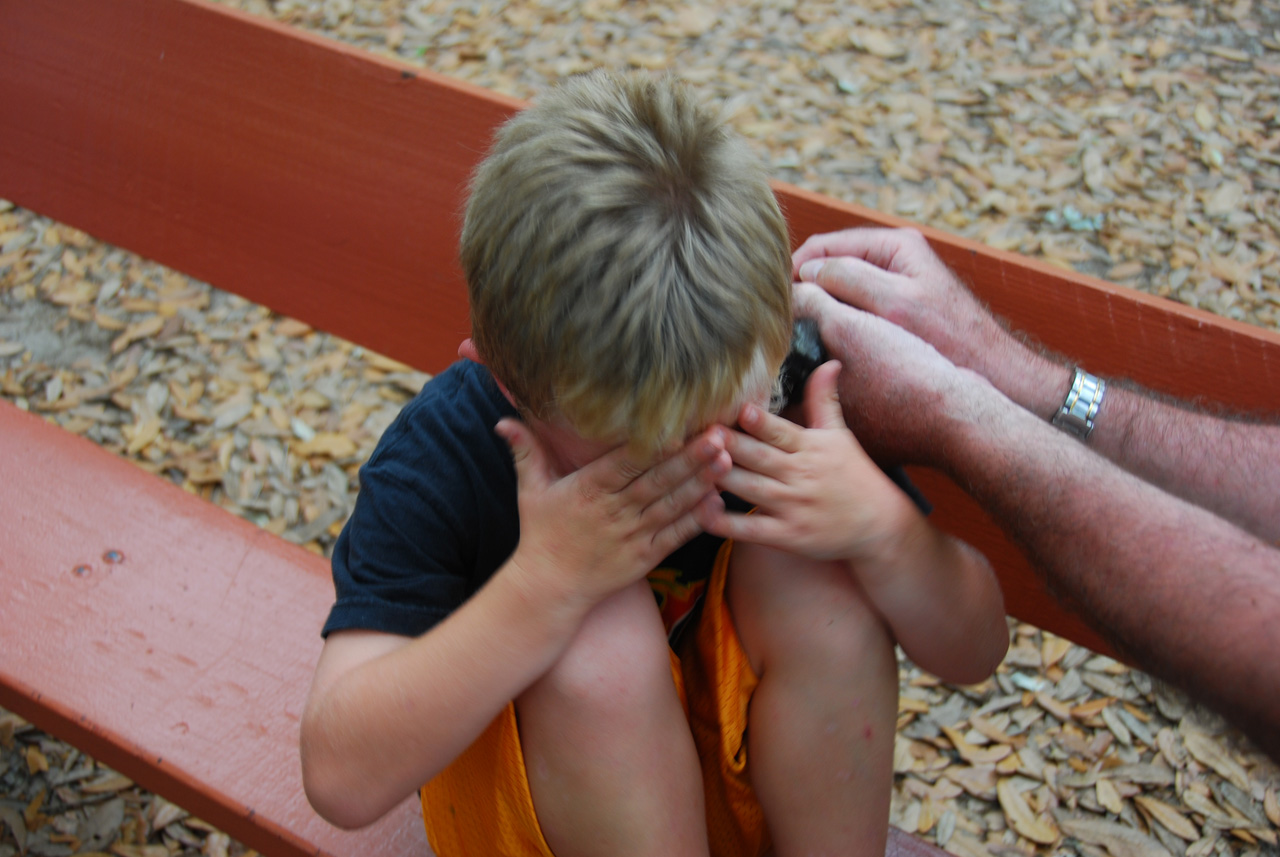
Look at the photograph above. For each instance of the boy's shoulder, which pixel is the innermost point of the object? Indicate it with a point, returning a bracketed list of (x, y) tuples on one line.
[(454, 414), (436, 511)]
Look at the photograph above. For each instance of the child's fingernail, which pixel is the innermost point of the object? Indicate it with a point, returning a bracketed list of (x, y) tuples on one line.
[(809, 270)]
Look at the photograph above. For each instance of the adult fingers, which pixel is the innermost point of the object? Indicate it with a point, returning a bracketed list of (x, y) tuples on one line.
[(809, 300), (822, 398), (883, 248), (852, 281)]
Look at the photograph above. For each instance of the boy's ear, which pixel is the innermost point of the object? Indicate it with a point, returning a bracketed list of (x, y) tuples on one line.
[(467, 351)]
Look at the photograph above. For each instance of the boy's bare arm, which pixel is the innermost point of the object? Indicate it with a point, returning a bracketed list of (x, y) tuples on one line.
[(387, 713), (818, 494)]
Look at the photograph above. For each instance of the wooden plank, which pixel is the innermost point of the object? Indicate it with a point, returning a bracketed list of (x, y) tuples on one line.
[(303, 174), (168, 638), (326, 183)]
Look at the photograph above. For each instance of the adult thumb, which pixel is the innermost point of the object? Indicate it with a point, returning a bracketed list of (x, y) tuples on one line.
[(822, 398), (532, 467)]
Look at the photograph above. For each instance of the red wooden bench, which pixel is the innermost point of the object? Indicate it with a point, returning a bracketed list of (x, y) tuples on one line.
[(174, 641)]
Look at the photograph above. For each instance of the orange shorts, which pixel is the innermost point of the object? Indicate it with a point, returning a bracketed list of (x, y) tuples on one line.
[(481, 806)]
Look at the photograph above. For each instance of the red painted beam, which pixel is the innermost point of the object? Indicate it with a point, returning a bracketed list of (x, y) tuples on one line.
[(166, 637), (301, 173)]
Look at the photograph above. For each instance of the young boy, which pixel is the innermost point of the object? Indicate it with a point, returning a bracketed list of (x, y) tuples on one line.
[(495, 636)]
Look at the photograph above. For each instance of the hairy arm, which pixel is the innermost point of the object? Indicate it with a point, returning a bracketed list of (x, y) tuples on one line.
[(1183, 593), (1228, 466)]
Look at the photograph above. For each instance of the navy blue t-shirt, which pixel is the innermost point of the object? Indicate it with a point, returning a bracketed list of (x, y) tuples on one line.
[(436, 514)]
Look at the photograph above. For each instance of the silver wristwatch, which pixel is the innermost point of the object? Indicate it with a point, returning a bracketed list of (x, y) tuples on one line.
[(1080, 409)]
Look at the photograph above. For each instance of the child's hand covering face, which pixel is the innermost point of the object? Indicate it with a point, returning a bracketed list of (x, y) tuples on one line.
[(816, 492), (603, 526)]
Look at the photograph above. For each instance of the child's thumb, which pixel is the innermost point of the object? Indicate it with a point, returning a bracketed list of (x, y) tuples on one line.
[(822, 397), (526, 453)]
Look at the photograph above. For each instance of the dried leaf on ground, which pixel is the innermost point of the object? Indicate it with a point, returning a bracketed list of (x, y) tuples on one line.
[(1036, 828)]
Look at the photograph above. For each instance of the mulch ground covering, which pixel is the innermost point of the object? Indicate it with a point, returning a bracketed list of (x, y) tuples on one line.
[(1135, 141)]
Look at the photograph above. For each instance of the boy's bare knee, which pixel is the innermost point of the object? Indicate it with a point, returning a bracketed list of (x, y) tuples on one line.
[(616, 665), (794, 611), (841, 636)]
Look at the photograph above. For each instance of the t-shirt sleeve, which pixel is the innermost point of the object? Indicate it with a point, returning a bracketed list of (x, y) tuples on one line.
[(435, 514)]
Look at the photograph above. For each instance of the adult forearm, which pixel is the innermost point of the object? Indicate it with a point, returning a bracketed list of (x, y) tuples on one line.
[(1183, 593), (380, 731), (1229, 466)]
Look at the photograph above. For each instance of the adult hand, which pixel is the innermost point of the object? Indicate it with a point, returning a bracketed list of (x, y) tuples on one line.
[(894, 386), (816, 492), (895, 274), (599, 528)]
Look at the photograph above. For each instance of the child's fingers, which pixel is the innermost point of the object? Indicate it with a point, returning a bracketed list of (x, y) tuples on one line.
[(755, 455), (683, 498), (775, 431), (612, 472), (757, 529), (706, 450), (675, 534), (822, 399), (532, 468), (755, 488)]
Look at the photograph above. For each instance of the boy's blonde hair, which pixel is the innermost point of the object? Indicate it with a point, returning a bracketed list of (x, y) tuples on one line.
[(627, 262)]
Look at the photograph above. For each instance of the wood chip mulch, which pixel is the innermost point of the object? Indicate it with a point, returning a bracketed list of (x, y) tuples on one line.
[(1137, 141)]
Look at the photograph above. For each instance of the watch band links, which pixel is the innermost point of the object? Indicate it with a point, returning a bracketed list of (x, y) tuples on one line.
[(1080, 409)]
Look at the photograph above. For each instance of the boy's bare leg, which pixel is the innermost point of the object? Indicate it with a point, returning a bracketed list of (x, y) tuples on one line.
[(611, 761), (820, 742)]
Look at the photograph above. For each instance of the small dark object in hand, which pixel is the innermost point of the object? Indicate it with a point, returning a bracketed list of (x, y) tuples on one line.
[(806, 355)]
